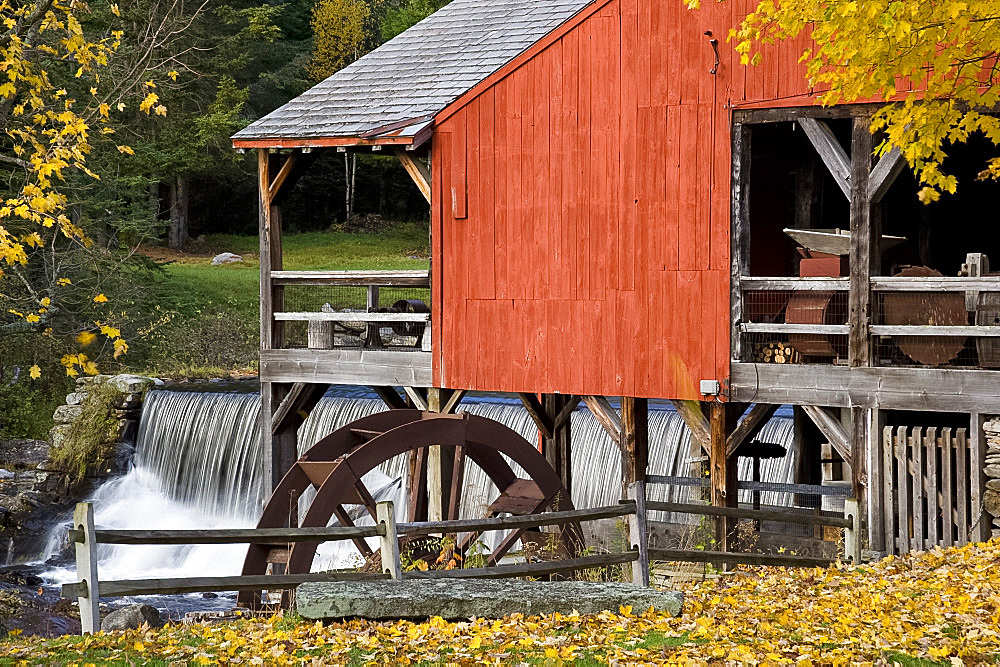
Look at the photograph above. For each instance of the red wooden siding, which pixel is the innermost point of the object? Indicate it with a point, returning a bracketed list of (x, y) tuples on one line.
[(581, 206)]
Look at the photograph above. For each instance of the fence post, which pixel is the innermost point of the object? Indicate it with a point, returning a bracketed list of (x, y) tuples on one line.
[(386, 516), (637, 533), (852, 535), (86, 567)]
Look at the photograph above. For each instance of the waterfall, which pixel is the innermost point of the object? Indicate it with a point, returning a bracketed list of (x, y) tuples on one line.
[(199, 464)]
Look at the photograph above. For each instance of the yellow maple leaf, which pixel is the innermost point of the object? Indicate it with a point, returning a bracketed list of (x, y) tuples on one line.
[(100, 298), (35, 372), (85, 338)]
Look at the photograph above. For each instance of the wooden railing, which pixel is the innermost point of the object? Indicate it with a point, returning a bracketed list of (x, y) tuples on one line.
[(89, 588), (760, 308)]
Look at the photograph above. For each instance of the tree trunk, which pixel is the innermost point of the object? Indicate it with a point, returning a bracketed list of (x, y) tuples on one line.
[(177, 235), (350, 167)]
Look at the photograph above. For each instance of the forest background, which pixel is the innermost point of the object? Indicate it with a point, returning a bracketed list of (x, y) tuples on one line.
[(172, 192)]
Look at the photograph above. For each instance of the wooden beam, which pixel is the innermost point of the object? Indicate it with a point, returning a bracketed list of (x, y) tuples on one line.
[(390, 397), (792, 114), (865, 255), (861, 445), (347, 366), (538, 414), (295, 407), (834, 431), (722, 471), (606, 415), (634, 441), (903, 388), (982, 522), (690, 412), (419, 399), (567, 411), (740, 232), (453, 401), (884, 174), (750, 426), (830, 151), (418, 172), (558, 449)]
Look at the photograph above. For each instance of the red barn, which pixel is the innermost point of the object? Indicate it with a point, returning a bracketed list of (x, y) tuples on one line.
[(597, 230)]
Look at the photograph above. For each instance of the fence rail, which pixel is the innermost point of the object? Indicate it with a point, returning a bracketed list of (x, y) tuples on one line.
[(89, 588)]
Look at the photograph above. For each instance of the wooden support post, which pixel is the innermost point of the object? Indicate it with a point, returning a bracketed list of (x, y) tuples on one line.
[(435, 466), (865, 239), (861, 447), (635, 440), (389, 543), (694, 418), (875, 511), (740, 233), (638, 536), (722, 469), (86, 568), (852, 535), (558, 448), (982, 522)]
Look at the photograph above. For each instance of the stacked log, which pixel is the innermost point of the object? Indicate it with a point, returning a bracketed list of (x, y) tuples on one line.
[(776, 353)]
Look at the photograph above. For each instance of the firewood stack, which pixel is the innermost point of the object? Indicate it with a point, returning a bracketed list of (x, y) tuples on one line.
[(776, 353)]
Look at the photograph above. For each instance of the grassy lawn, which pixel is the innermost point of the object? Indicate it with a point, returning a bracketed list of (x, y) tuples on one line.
[(211, 316)]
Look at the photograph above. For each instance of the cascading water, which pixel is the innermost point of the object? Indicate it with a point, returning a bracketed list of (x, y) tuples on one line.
[(198, 464)]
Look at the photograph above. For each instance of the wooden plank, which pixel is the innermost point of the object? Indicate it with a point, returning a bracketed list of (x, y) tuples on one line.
[(348, 366), (778, 515), (807, 284), (388, 543), (981, 520), (888, 486), (903, 490), (884, 174), (876, 475), (928, 330), (127, 587), (947, 489), (526, 569), (930, 389), (537, 413), (353, 278), (567, 411), (606, 415), (694, 418), (352, 317), (930, 485), (417, 171), (917, 457), (831, 152), (788, 114), (235, 535), (638, 538), (417, 397), (962, 475), (737, 558), (832, 429), (518, 522), (750, 426), (860, 446), (934, 284), (453, 401), (821, 329), (778, 487)]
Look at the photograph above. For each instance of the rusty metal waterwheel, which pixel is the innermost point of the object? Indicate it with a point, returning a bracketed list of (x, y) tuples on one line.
[(335, 466)]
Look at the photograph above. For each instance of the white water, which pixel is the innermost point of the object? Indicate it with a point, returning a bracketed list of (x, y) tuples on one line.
[(198, 464)]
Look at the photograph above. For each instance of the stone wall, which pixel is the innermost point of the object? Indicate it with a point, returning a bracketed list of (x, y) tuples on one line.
[(35, 490), (991, 498)]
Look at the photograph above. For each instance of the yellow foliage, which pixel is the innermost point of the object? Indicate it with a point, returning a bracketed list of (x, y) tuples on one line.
[(936, 61), (339, 30), (85, 338), (100, 298)]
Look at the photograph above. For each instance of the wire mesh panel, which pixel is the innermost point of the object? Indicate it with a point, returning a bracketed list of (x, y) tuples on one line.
[(794, 326)]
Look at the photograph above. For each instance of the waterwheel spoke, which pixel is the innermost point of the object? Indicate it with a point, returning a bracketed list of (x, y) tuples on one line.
[(457, 483), (345, 520)]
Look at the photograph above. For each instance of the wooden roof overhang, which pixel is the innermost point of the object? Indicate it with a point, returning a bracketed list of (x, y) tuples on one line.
[(407, 134)]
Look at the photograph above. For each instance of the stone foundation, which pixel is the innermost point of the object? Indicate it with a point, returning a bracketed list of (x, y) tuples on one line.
[(991, 497)]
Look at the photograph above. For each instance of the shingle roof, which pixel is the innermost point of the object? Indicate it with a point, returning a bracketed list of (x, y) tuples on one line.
[(419, 72)]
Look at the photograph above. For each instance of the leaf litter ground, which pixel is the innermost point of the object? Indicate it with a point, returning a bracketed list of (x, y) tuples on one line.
[(936, 607)]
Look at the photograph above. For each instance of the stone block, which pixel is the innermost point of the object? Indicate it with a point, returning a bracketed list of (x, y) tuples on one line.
[(76, 398), (465, 598), (131, 618), (66, 414), (992, 471), (58, 434), (131, 384), (993, 484), (991, 501)]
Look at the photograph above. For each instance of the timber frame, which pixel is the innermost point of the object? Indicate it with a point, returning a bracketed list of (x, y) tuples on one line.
[(846, 403)]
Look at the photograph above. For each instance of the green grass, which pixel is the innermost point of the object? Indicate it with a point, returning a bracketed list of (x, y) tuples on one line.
[(211, 315)]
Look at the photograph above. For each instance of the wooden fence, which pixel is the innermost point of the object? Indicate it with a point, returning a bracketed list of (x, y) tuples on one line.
[(932, 488), (89, 588)]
